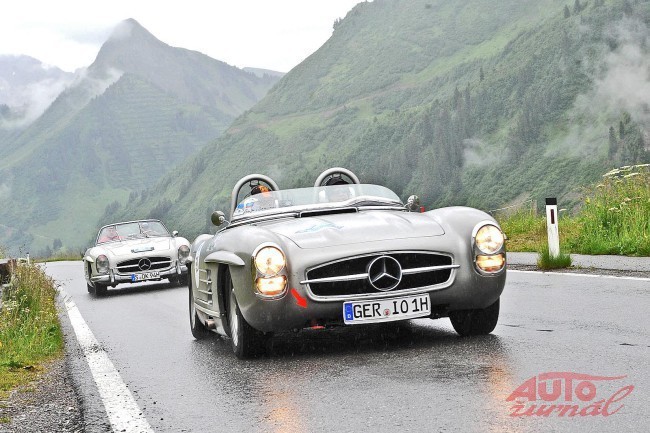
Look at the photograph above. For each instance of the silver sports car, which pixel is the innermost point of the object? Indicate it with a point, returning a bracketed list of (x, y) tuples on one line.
[(135, 251), (340, 253)]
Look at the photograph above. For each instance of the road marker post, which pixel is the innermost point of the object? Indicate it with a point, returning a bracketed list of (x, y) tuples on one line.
[(552, 227)]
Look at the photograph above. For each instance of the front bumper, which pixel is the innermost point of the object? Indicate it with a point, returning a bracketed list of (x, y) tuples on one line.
[(113, 277)]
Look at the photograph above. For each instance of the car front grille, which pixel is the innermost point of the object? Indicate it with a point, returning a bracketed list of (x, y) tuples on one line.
[(134, 265), (419, 269)]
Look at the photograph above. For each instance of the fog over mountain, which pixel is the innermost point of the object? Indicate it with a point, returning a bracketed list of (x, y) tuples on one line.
[(27, 88)]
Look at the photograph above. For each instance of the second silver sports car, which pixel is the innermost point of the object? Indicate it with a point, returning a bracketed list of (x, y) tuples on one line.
[(135, 251), (341, 253)]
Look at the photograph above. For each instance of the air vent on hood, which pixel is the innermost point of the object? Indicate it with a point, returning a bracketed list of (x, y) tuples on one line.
[(320, 212)]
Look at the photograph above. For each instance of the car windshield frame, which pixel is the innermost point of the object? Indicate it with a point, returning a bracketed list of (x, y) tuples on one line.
[(130, 230), (298, 200)]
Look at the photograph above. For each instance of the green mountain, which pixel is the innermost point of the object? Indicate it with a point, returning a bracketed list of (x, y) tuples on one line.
[(468, 102), (139, 110)]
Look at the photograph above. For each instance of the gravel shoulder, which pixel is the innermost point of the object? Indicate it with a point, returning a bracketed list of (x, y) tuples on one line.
[(48, 404)]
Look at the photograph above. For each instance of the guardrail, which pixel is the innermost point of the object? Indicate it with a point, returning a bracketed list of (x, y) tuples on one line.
[(7, 270)]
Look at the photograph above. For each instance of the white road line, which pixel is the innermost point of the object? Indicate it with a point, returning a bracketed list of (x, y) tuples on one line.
[(572, 274), (123, 412)]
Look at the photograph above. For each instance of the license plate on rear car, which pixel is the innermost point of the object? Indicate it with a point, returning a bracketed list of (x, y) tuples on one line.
[(145, 276), (386, 310)]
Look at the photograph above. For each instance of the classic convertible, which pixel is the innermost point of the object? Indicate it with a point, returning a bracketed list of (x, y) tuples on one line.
[(340, 253), (135, 251)]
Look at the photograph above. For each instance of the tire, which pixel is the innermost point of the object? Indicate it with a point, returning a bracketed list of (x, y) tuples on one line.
[(96, 289), (199, 331), (100, 289), (246, 341), (475, 322)]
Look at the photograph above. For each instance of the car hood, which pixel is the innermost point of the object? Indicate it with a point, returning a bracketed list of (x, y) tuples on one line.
[(138, 246), (365, 226)]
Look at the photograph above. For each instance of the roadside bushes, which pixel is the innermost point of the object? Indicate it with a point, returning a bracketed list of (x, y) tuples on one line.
[(615, 218)]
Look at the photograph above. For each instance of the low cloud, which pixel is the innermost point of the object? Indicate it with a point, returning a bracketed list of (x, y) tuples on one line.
[(5, 192), (30, 102), (621, 84), (27, 103), (477, 154)]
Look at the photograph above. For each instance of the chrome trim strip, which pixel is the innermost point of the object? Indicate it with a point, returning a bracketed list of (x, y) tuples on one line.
[(334, 279), (428, 269), (380, 295)]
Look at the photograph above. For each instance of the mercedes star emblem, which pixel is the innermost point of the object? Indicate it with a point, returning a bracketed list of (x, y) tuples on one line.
[(144, 264), (384, 273)]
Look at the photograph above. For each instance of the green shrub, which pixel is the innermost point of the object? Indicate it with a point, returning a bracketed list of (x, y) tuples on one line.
[(546, 261)]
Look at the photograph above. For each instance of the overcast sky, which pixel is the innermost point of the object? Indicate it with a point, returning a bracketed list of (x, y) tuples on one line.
[(270, 34)]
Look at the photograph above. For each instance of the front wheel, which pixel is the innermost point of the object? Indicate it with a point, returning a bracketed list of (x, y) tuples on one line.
[(246, 341), (480, 321), (96, 289)]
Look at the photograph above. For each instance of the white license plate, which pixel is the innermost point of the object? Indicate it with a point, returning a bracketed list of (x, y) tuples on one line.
[(386, 310), (145, 276)]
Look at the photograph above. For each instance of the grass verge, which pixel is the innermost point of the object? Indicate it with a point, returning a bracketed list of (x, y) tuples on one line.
[(30, 332), (614, 219)]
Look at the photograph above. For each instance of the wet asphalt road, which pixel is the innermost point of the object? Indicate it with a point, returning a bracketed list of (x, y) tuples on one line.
[(417, 376)]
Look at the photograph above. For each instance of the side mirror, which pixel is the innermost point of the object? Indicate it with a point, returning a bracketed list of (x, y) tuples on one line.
[(413, 203), (218, 218), (175, 233)]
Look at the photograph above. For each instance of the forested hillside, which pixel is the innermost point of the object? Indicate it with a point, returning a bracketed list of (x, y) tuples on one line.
[(464, 103), (139, 110)]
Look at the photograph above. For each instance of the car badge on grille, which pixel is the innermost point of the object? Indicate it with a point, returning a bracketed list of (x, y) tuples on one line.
[(384, 273), (144, 264)]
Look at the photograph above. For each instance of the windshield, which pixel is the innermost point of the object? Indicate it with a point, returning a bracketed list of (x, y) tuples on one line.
[(131, 230), (299, 199)]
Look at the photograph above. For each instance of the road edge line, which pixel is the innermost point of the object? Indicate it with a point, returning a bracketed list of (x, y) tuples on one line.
[(123, 412)]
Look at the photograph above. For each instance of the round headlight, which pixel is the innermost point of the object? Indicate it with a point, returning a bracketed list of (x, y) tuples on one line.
[(269, 261), (489, 239), (183, 254), (101, 263)]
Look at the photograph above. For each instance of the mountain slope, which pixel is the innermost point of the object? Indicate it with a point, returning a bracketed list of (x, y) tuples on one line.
[(469, 103), (135, 113)]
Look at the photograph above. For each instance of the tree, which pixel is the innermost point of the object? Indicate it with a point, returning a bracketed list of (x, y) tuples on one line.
[(613, 142), (627, 8), (621, 130), (577, 7), (567, 12), (57, 244), (481, 75)]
